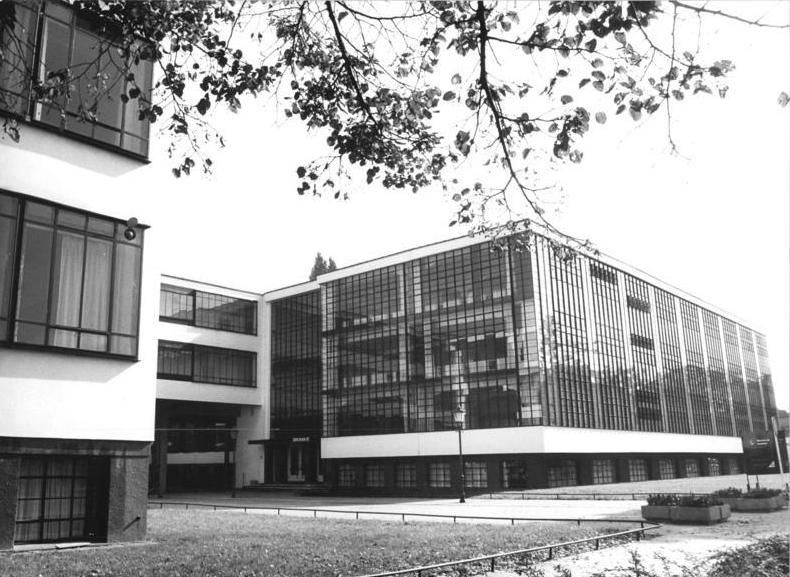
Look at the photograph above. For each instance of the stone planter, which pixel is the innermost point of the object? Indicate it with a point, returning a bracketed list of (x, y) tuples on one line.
[(692, 515), (755, 505)]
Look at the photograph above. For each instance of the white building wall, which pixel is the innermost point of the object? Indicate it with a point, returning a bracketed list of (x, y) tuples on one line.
[(518, 440), (60, 395)]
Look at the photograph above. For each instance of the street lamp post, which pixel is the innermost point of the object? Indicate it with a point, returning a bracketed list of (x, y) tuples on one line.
[(459, 416)]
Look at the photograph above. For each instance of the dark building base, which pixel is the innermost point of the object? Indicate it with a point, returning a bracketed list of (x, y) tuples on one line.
[(440, 476), (101, 486)]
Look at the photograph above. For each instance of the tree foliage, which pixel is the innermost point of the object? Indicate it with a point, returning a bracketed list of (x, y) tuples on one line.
[(321, 266), (407, 95)]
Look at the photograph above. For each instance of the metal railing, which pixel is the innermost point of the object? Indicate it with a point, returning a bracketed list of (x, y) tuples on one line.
[(527, 496), (490, 560), (400, 514)]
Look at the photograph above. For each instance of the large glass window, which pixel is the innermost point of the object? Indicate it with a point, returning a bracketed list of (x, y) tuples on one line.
[(58, 499), (201, 364), (603, 471), (439, 475), (88, 74), (475, 474), (207, 310), (77, 277), (562, 473), (637, 470), (405, 475), (666, 468), (374, 475)]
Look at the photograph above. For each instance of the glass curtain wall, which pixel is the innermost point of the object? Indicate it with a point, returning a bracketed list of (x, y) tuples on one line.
[(531, 337), (296, 366)]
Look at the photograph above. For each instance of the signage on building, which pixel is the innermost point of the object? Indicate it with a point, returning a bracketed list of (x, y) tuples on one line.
[(301, 439), (759, 452)]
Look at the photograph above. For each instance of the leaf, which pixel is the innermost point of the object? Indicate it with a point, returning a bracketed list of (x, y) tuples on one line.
[(598, 85), (456, 79), (636, 114), (783, 99), (566, 99), (591, 44), (449, 95), (600, 117), (341, 16), (300, 172), (584, 82), (597, 63)]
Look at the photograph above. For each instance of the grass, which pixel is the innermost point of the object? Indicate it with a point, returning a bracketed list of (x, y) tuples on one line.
[(224, 544)]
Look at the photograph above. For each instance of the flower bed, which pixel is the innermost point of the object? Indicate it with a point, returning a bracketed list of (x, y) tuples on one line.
[(704, 510), (756, 500)]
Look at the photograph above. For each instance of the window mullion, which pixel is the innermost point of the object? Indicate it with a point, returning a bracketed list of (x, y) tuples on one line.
[(108, 345), (82, 289)]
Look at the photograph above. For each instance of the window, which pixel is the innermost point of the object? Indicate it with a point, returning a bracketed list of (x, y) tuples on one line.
[(734, 465), (406, 475), (692, 468), (562, 473), (92, 76), (714, 467), (475, 474), (58, 499), (637, 470), (346, 476), (374, 475), (201, 364), (603, 471), (439, 475), (207, 310), (77, 279), (666, 469)]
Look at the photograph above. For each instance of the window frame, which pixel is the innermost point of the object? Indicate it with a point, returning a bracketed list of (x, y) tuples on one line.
[(194, 295), (192, 377), (30, 109), (9, 338)]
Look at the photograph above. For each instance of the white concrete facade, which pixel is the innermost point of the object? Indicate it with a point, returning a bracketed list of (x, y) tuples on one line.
[(56, 394)]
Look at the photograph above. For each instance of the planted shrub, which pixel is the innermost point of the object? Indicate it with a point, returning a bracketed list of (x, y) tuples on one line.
[(766, 558), (728, 493), (762, 493), (663, 500), (700, 501)]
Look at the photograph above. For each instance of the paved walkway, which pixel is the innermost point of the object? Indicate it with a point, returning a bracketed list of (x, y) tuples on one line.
[(479, 507)]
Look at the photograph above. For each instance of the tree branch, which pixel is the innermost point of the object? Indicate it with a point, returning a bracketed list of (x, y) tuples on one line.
[(347, 64), (703, 9)]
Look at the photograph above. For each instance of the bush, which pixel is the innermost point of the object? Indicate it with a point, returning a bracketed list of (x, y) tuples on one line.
[(766, 558), (729, 492), (663, 499), (762, 493), (672, 500), (700, 501)]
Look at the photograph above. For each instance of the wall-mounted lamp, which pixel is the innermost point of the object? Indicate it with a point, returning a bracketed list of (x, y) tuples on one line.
[(130, 234)]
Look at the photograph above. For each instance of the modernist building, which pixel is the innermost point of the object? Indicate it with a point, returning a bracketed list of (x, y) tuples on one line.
[(570, 371), (209, 401), (77, 298)]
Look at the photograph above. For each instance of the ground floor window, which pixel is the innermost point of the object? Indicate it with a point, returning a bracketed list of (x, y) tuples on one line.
[(666, 469), (637, 470), (603, 471), (60, 499), (439, 475), (692, 468), (346, 476), (735, 466), (476, 474), (374, 475), (714, 467), (562, 474), (406, 475), (514, 474)]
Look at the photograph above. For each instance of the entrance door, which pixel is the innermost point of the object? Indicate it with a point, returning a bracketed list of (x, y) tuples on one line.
[(297, 463)]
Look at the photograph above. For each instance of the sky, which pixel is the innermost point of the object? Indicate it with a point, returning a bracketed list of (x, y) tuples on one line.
[(712, 219)]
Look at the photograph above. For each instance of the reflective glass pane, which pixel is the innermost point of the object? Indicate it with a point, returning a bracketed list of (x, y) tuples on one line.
[(34, 282), (126, 289)]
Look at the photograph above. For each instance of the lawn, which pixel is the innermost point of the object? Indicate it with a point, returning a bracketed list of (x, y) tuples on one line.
[(198, 543)]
